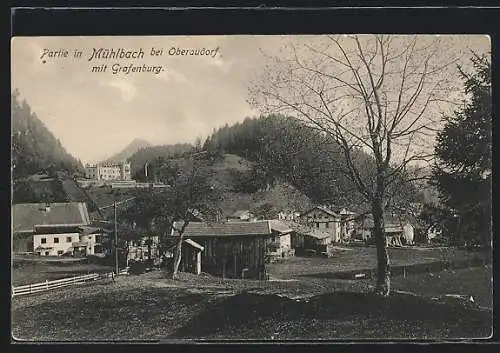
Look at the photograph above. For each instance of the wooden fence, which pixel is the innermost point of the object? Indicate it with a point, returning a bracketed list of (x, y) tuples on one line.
[(58, 283)]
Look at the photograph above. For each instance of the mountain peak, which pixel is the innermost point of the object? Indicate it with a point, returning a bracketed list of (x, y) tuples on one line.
[(134, 146)]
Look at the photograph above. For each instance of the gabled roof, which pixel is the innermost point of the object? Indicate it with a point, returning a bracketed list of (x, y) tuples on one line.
[(26, 216), (203, 229), (240, 213), (305, 230), (322, 209), (92, 230), (280, 226)]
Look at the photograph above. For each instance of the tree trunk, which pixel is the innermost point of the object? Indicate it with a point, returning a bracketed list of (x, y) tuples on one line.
[(177, 256), (383, 285)]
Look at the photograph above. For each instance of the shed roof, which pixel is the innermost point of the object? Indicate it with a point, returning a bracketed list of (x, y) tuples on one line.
[(204, 229), (194, 244), (64, 214)]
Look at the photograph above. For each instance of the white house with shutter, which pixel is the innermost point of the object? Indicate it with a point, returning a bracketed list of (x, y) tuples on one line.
[(55, 229)]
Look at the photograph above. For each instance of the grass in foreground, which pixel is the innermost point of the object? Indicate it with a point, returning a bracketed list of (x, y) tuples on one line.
[(476, 281), (30, 272), (358, 258), (151, 308), (141, 313)]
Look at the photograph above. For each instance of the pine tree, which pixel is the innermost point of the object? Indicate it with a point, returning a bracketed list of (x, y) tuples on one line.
[(463, 170)]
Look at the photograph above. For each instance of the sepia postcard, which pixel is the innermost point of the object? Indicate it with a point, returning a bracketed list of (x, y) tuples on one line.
[(277, 188)]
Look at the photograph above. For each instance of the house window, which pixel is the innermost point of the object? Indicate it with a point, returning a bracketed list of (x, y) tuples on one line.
[(46, 253), (327, 225), (68, 239), (56, 240), (317, 224), (59, 252), (43, 240)]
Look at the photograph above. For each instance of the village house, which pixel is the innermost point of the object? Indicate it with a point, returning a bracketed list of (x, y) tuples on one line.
[(399, 231), (145, 248), (55, 229), (280, 244), (287, 215), (56, 220), (325, 220), (48, 241), (232, 249), (347, 223), (92, 241), (305, 239), (241, 215), (424, 233)]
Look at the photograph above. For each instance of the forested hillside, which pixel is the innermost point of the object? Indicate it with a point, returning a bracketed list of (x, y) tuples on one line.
[(285, 150), (153, 153), (273, 151), (34, 147)]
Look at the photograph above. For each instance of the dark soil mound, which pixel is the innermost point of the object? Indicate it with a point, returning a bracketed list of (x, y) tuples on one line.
[(330, 316)]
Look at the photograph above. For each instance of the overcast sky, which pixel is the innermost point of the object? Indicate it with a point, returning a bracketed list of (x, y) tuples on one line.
[(97, 114)]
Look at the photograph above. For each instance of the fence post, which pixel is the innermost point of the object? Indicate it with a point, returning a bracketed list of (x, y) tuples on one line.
[(404, 272), (30, 288), (46, 284)]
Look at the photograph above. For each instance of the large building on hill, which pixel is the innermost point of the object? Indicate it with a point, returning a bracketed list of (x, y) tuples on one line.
[(108, 171)]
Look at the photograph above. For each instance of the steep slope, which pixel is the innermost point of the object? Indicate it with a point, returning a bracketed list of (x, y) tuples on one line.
[(263, 199), (286, 150), (34, 147), (153, 153), (133, 147), (274, 198)]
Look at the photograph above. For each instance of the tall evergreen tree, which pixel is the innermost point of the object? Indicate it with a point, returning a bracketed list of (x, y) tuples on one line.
[(463, 170)]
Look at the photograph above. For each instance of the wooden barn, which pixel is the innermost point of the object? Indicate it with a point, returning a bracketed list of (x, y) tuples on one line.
[(231, 249), (191, 257)]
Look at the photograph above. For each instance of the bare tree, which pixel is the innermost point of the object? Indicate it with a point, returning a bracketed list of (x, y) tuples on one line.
[(382, 95)]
